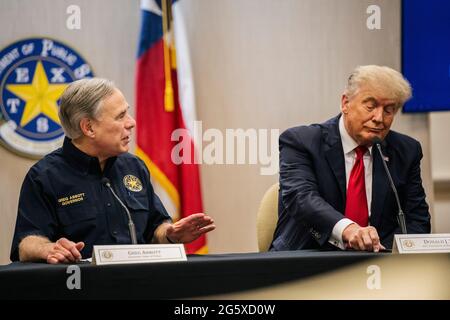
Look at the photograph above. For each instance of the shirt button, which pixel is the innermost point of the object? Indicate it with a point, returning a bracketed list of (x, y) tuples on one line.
[(115, 233), (108, 204)]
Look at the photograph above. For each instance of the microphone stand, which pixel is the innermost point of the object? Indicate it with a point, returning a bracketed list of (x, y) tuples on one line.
[(400, 215), (131, 226)]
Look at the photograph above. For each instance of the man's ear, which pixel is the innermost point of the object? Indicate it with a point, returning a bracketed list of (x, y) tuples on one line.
[(86, 127), (344, 103)]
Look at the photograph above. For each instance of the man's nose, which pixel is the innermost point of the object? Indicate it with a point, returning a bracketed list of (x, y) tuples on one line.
[(131, 123), (377, 115)]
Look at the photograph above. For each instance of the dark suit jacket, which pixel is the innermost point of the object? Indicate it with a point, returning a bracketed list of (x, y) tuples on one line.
[(313, 186)]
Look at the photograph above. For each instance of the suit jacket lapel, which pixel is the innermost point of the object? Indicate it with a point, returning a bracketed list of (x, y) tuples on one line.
[(335, 155), (380, 186)]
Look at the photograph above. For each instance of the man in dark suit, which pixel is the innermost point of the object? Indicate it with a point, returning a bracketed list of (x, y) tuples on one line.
[(334, 192)]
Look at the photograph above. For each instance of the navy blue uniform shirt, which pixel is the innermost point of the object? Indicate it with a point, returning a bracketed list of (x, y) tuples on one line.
[(63, 196)]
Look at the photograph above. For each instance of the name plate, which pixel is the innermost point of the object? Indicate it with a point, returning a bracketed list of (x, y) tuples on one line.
[(138, 253), (421, 243)]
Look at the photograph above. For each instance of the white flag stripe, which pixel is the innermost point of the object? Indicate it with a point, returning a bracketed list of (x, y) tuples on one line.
[(165, 199), (184, 70), (152, 6)]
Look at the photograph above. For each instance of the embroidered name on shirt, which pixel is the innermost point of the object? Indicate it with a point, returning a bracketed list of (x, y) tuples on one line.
[(71, 199)]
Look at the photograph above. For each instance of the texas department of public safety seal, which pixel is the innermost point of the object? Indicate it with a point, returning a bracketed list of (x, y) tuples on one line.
[(33, 74)]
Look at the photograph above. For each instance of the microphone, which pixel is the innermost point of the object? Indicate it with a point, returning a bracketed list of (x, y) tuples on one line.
[(106, 183), (400, 216)]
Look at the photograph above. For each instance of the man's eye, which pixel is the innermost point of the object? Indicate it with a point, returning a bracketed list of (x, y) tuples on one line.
[(389, 109), (370, 107)]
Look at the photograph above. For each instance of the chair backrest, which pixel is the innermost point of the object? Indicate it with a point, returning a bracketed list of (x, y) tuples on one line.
[(267, 217)]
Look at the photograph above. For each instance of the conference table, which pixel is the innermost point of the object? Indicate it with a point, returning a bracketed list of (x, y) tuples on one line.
[(214, 275)]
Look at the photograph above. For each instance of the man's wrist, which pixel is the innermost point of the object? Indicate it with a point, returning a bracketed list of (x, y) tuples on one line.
[(336, 234), (170, 241), (348, 232)]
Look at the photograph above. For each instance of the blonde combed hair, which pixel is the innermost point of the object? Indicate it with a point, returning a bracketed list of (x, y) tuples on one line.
[(390, 81)]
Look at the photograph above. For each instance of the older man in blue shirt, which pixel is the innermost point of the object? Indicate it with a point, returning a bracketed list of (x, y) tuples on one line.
[(65, 204)]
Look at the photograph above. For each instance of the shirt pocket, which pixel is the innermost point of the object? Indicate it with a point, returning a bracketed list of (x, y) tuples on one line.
[(71, 215), (78, 223), (139, 210)]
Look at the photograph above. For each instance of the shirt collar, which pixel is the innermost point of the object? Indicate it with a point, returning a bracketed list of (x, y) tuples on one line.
[(82, 161), (348, 143)]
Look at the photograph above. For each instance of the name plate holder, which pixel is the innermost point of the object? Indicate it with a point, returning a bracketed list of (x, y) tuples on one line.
[(421, 243), (137, 253)]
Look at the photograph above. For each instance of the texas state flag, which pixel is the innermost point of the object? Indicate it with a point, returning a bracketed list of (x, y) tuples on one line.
[(159, 111)]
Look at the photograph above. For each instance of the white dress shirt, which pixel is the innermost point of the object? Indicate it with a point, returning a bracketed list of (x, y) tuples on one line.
[(349, 145)]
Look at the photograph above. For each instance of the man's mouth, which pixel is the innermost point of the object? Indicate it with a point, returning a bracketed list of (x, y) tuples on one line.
[(375, 130)]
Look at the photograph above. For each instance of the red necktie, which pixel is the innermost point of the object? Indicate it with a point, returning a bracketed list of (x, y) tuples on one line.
[(356, 205)]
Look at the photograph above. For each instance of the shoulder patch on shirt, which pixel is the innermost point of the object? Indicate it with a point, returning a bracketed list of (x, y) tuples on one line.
[(132, 183)]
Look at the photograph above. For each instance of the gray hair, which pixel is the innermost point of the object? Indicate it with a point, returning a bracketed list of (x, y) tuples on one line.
[(82, 99), (390, 81)]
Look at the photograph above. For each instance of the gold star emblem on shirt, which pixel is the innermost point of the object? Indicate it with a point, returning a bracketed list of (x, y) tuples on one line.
[(40, 96), (132, 183)]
